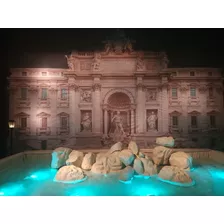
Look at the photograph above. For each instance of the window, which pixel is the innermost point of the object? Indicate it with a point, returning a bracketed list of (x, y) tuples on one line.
[(44, 73), (194, 121), (210, 92), (193, 91), (23, 122), (209, 73), (64, 94), (64, 122), (44, 94), (212, 121), (192, 73), (174, 120), (174, 92), (24, 73), (44, 122), (23, 93)]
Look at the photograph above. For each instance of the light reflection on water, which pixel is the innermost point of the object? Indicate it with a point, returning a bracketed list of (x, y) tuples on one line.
[(209, 181)]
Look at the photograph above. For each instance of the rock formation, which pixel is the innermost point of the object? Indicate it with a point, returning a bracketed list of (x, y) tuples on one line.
[(59, 157), (161, 155), (75, 158), (181, 160)]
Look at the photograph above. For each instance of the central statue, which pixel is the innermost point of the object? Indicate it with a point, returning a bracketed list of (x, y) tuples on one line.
[(117, 122)]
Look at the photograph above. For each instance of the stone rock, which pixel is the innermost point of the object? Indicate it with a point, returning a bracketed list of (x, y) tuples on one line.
[(59, 157), (181, 160), (98, 169), (165, 141), (138, 166), (88, 160), (126, 157), (161, 155), (133, 147), (174, 174), (126, 174), (75, 158), (99, 155), (114, 163), (141, 155), (149, 168), (69, 173), (116, 147)]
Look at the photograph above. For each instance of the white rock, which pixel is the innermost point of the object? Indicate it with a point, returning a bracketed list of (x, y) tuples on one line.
[(165, 141), (59, 157), (126, 157), (115, 147), (69, 173), (133, 147), (138, 166), (174, 174), (161, 155), (75, 158), (88, 160), (149, 168), (181, 160)]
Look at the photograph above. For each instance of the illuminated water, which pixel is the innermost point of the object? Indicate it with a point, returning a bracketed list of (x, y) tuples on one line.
[(209, 180)]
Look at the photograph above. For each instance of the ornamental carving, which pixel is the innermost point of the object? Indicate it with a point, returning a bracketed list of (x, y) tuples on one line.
[(151, 95), (141, 86), (118, 44), (73, 86), (85, 65), (53, 90), (86, 96), (96, 62), (33, 89), (184, 87), (96, 87), (202, 88)]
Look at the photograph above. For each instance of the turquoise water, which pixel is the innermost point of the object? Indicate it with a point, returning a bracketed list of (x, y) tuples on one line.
[(209, 181)]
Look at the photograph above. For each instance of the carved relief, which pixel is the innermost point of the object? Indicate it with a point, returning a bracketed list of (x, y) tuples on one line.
[(85, 65), (141, 86), (96, 62), (202, 88), (184, 87), (140, 64), (73, 86), (86, 96), (152, 120), (86, 121), (151, 95)]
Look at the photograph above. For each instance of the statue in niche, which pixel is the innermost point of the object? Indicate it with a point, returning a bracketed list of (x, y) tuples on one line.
[(151, 121), (117, 123), (86, 122), (70, 62), (96, 62), (151, 95), (86, 96), (140, 65)]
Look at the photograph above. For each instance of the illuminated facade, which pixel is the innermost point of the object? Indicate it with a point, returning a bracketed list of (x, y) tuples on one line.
[(112, 94)]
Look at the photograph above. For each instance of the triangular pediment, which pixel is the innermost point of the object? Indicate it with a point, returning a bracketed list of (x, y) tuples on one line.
[(43, 114), (63, 114), (194, 112), (175, 112), (22, 114)]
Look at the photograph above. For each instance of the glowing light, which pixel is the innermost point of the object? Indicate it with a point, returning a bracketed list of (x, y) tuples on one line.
[(219, 174), (177, 183), (12, 189), (43, 174), (146, 190), (71, 182), (82, 191), (142, 176), (126, 182)]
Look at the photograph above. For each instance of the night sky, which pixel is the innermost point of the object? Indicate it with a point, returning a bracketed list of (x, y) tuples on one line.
[(185, 48)]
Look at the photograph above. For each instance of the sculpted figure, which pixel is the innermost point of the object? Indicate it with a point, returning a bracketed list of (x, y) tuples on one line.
[(151, 95), (96, 62), (86, 122), (86, 96), (128, 46), (108, 47), (70, 62), (151, 121), (140, 62), (117, 121)]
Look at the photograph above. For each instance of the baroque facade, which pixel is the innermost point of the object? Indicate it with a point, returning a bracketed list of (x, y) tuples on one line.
[(113, 94)]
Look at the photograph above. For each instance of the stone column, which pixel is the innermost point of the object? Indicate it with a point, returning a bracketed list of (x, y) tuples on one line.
[(54, 119), (132, 121), (140, 110), (184, 116), (96, 108), (105, 122), (203, 118), (164, 105), (34, 122)]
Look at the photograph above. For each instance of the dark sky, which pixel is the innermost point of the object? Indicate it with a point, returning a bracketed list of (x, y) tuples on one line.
[(185, 47)]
